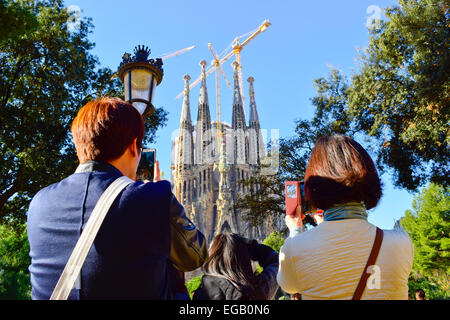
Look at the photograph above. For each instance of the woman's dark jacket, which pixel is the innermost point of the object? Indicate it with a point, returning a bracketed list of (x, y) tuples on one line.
[(217, 288), (131, 254)]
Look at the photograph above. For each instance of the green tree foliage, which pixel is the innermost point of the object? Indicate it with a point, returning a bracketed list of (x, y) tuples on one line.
[(330, 117), (400, 95), (428, 225), (264, 202), (14, 262), (15, 20), (193, 284), (275, 240), (434, 290), (46, 76)]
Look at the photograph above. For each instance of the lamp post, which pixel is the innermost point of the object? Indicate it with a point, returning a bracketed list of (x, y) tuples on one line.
[(140, 75)]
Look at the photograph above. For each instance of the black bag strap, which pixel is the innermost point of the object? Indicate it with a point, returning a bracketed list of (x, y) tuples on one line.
[(370, 262)]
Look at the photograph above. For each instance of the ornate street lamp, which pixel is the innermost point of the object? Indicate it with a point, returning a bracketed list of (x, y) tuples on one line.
[(140, 76)]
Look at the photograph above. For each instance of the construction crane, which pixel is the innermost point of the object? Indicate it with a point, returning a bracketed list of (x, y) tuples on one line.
[(236, 50), (218, 67), (176, 53)]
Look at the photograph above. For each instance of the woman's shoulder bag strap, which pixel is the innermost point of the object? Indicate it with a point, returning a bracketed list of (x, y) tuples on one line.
[(370, 262)]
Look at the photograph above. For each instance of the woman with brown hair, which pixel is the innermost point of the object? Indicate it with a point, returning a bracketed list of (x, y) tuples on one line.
[(345, 257), (228, 273)]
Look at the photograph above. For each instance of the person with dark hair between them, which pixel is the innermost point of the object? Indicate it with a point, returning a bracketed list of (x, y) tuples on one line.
[(228, 272)]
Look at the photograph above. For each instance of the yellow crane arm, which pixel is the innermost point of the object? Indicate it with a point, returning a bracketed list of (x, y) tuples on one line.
[(228, 56), (263, 27)]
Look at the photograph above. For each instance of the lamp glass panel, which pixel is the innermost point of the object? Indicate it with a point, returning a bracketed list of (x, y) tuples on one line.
[(152, 95), (140, 87), (140, 107), (126, 85)]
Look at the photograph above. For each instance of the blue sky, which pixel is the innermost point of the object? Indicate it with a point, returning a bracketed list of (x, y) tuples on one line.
[(304, 40)]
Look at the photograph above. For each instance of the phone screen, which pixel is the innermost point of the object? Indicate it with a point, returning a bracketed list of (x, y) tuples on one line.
[(146, 167)]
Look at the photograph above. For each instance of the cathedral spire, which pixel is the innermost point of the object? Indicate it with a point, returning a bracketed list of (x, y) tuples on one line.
[(254, 119), (203, 98), (185, 151), (256, 144), (238, 121), (237, 98), (186, 109), (204, 144)]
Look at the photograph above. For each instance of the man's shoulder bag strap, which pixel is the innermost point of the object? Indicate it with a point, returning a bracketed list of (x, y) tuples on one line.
[(370, 262), (81, 250)]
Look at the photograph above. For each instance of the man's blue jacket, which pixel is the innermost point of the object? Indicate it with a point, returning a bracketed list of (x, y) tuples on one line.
[(131, 255)]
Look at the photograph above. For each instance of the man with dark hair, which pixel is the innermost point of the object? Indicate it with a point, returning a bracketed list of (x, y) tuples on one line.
[(144, 237)]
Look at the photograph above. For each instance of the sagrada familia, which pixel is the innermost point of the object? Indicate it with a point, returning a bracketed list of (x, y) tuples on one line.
[(211, 159)]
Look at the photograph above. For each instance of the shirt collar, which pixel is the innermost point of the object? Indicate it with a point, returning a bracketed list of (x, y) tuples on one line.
[(342, 211), (91, 165)]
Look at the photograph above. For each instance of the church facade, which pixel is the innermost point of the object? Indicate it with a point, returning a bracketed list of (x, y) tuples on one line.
[(210, 160)]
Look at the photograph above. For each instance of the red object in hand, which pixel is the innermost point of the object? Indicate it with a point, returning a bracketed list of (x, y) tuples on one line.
[(292, 196)]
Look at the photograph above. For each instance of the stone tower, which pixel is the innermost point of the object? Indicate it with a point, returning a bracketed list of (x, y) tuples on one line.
[(209, 186), (184, 188), (256, 143), (204, 144)]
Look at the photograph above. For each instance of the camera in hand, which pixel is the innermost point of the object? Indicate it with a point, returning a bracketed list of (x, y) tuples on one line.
[(146, 167), (295, 196)]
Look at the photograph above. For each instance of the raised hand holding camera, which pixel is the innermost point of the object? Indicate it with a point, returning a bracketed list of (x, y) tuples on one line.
[(295, 222)]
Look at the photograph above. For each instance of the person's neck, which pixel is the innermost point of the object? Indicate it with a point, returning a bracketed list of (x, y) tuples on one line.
[(123, 165)]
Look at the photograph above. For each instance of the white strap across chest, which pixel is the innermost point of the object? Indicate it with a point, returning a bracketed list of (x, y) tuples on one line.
[(81, 250)]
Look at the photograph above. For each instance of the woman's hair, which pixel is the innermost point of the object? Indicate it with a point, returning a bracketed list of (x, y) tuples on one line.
[(339, 171), (104, 128), (229, 258)]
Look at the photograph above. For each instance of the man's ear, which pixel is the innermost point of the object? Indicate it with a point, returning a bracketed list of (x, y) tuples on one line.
[(134, 150)]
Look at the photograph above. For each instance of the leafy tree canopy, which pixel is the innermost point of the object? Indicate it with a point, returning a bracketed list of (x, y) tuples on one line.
[(428, 224), (14, 262), (275, 240), (400, 95), (46, 75), (15, 20)]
